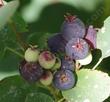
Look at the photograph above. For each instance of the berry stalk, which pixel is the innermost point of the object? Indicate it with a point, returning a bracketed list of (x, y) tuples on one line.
[(15, 52), (55, 93)]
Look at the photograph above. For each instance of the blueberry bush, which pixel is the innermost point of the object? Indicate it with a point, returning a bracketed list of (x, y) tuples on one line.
[(54, 51)]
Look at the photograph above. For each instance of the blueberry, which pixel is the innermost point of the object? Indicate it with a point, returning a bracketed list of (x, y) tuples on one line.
[(91, 36), (64, 79), (30, 71), (72, 27), (77, 48), (46, 78), (47, 59), (67, 64), (56, 43)]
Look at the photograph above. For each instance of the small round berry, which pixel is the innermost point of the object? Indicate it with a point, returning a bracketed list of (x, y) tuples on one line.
[(56, 43), (31, 55), (57, 64), (86, 60), (47, 59), (46, 78), (67, 64), (91, 36), (30, 71), (72, 27), (77, 48), (64, 79)]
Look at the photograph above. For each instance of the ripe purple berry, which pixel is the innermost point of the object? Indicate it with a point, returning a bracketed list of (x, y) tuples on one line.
[(91, 36), (67, 64), (30, 71), (56, 43), (72, 27), (47, 59), (64, 79), (77, 48), (46, 78)]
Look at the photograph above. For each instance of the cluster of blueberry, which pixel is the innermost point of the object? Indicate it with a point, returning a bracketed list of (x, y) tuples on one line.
[(47, 68), (74, 41)]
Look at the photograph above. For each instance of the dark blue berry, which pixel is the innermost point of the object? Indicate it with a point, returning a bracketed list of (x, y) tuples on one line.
[(91, 36), (30, 71), (67, 64), (56, 43), (64, 79), (77, 48), (72, 27)]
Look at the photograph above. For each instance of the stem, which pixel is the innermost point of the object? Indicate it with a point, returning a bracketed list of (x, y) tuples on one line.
[(100, 60), (15, 52), (78, 65), (61, 100), (53, 92), (18, 35)]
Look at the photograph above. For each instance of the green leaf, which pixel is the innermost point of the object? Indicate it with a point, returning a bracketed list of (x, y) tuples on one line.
[(107, 100), (15, 89), (9, 63), (87, 5), (96, 54), (32, 11), (11, 89), (20, 24), (9, 34), (8, 59), (11, 40), (38, 97), (7, 11), (92, 86), (8, 40), (7, 37), (39, 39), (103, 41)]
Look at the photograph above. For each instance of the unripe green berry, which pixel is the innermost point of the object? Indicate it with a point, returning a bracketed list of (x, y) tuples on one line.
[(31, 55), (47, 59), (57, 64), (46, 78)]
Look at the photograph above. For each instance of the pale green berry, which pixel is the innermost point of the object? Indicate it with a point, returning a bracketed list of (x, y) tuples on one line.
[(57, 64), (47, 59), (46, 78), (86, 60), (31, 55)]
